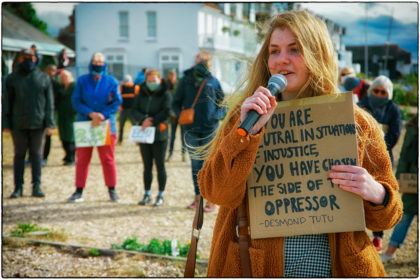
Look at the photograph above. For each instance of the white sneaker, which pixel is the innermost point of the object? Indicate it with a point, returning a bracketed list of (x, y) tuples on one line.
[(386, 258)]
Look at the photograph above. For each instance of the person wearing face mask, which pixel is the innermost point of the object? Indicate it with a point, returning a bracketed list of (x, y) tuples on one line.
[(358, 86), (345, 73), (208, 112), (28, 113), (151, 107), (379, 103), (297, 44), (96, 98)]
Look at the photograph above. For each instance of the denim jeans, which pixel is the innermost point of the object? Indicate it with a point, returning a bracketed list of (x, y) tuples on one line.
[(194, 139), (400, 230), (173, 135)]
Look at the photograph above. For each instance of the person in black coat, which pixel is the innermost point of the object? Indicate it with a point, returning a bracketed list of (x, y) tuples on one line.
[(151, 107), (379, 103), (28, 113)]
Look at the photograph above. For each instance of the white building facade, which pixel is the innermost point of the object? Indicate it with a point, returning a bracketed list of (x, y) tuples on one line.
[(167, 36), (164, 36)]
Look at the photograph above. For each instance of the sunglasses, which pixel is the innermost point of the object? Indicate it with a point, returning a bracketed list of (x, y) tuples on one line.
[(377, 91), (345, 74)]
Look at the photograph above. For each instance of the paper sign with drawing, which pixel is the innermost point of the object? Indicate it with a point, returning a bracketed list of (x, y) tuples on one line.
[(87, 136), (289, 191)]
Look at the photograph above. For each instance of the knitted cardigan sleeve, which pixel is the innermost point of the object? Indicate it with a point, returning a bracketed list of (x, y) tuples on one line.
[(374, 157), (222, 179)]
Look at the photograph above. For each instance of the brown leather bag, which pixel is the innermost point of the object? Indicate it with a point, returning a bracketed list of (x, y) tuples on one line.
[(195, 235), (187, 115), (242, 231)]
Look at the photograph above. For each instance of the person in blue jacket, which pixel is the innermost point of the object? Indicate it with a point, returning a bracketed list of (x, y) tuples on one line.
[(379, 103), (96, 97), (208, 112)]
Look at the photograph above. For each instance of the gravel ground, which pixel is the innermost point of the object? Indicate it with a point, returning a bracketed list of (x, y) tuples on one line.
[(96, 222)]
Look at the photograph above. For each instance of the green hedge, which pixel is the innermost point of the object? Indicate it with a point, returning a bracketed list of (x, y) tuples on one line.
[(403, 97)]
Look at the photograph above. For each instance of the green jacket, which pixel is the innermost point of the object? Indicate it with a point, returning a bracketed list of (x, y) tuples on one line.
[(408, 163), (28, 102), (65, 112), (155, 104)]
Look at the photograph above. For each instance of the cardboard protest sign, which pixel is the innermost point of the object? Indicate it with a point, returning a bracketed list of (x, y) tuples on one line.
[(289, 191), (138, 135), (408, 183), (87, 136)]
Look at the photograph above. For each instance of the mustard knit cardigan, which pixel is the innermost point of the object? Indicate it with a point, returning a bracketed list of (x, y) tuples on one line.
[(223, 179)]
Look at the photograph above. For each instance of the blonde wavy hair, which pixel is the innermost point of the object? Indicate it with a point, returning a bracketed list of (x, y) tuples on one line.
[(317, 50)]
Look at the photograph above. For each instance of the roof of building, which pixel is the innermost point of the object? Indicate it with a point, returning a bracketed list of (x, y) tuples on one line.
[(17, 34), (394, 52)]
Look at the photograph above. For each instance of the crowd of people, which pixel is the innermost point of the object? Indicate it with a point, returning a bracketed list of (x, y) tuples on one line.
[(97, 96), (296, 44)]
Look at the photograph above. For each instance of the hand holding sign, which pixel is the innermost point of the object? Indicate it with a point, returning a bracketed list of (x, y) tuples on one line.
[(96, 118), (357, 180), (147, 123)]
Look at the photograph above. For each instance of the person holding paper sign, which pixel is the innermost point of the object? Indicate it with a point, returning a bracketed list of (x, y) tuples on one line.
[(408, 163), (379, 103), (152, 108), (298, 46), (96, 97)]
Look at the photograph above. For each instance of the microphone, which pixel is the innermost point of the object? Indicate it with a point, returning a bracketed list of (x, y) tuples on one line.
[(276, 84)]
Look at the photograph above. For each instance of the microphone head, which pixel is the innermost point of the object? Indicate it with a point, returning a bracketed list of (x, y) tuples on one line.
[(279, 81)]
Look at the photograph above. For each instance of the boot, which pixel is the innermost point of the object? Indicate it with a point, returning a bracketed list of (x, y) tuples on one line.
[(37, 192), (169, 157), (146, 199), (17, 192), (159, 201), (195, 203)]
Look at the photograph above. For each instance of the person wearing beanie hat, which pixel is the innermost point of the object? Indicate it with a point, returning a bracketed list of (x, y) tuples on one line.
[(379, 103), (127, 79), (128, 90), (382, 81)]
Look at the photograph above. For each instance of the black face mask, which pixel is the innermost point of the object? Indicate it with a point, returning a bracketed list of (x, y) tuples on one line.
[(28, 65), (98, 69), (201, 70)]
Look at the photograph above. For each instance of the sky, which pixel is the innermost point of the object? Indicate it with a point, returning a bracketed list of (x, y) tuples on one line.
[(352, 16)]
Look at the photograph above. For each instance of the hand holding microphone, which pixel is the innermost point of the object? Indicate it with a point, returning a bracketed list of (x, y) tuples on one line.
[(260, 105)]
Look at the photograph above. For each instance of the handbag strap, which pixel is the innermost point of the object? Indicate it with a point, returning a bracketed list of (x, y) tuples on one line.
[(243, 235), (192, 252), (199, 92)]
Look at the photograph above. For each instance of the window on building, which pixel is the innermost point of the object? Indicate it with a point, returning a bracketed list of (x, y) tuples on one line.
[(151, 24), (209, 24), (123, 18), (116, 65), (170, 60)]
